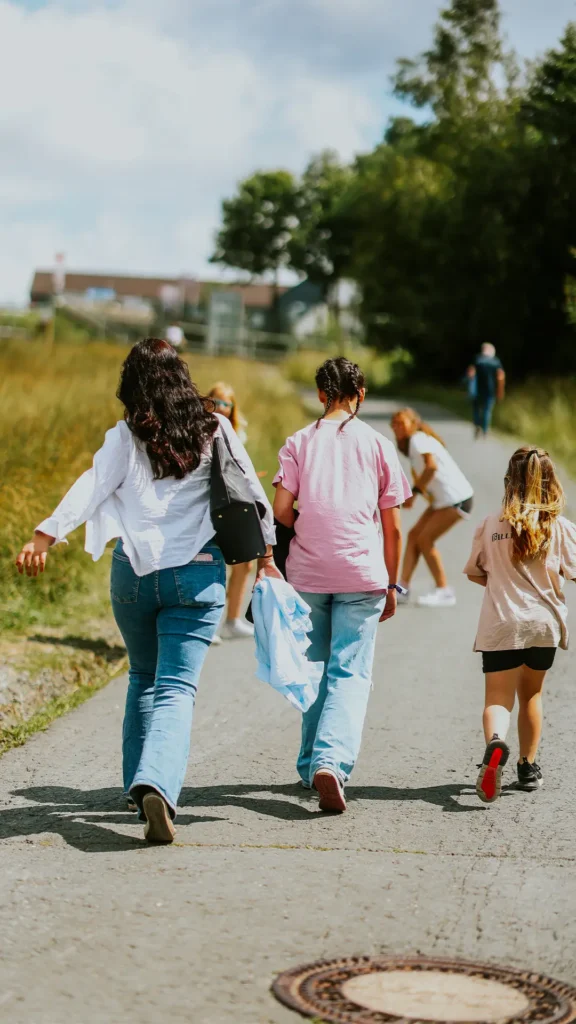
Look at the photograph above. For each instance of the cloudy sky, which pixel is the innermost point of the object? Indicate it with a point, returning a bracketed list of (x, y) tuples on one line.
[(124, 122)]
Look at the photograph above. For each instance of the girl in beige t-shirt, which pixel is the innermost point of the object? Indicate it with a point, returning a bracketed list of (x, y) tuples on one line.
[(522, 557)]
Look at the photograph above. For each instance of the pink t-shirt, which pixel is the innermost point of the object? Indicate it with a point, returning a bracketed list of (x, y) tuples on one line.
[(341, 479)]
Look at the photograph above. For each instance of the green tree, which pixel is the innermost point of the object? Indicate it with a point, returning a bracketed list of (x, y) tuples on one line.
[(550, 105), (457, 72), (320, 242), (257, 224)]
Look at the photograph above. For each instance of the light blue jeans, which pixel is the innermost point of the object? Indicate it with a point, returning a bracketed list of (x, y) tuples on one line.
[(343, 635), (168, 620)]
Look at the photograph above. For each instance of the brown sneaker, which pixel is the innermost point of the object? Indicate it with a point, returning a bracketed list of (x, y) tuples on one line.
[(158, 827), (330, 790)]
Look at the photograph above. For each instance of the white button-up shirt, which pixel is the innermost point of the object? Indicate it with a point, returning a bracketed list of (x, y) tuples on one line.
[(162, 523)]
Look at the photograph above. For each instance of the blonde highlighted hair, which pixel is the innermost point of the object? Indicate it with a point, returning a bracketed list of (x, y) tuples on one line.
[(533, 500), (225, 392)]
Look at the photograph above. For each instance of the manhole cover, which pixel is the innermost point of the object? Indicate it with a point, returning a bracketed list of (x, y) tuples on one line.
[(392, 990)]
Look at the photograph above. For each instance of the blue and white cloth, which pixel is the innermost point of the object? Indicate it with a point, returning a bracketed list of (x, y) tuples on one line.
[(282, 624)]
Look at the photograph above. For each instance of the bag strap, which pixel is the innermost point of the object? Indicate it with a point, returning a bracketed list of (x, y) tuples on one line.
[(229, 447)]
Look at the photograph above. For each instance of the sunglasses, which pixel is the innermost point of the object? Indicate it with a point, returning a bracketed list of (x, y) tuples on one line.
[(220, 404)]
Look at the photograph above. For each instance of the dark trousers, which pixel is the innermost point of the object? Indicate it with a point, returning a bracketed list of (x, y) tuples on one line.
[(483, 408)]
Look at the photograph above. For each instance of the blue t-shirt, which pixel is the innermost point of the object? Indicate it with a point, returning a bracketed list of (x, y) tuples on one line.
[(487, 368)]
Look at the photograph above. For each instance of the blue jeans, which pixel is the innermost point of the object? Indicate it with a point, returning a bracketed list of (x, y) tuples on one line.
[(343, 635), (168, 620), (483, 408)]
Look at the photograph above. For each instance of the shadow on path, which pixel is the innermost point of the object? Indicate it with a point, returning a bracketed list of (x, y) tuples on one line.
[(110, 652), (83, 817)]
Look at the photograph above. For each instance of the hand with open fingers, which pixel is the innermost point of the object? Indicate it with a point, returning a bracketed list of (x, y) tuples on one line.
[(32, 558), (389, 607)]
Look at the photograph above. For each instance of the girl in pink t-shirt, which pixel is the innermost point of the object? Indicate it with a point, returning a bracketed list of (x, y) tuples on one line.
[(521, 556), (344, 562)]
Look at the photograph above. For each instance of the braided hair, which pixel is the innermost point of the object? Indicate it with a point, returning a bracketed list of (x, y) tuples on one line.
[(340, 379)]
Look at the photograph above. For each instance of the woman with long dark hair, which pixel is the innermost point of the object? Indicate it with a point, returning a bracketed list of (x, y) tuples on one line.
[(149, 485)]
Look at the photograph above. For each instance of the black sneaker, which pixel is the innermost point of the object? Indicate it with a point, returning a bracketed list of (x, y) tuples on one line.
[(529, 776), (489, 781)]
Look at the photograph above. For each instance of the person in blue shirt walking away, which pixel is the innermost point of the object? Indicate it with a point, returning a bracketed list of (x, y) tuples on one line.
[(487, 382)]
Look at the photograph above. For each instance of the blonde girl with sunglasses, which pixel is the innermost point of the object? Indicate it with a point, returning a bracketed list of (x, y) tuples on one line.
[(235, 626)]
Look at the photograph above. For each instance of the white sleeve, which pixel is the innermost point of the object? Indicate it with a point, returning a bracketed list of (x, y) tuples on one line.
[(93, 487), (421, 444), (259, 494)]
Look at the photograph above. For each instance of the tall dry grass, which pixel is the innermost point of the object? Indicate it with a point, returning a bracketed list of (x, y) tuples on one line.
[(381, 369), (543, 412), (55, 406)]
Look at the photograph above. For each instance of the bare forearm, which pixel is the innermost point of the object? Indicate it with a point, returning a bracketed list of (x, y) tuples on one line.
[(393, 553), (424, 479), (286, 516), (284, 506)]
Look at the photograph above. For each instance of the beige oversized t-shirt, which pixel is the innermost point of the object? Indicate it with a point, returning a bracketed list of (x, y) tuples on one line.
[(523, 603)]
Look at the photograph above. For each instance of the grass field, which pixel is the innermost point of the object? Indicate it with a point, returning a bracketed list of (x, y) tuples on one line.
[(55, 406)]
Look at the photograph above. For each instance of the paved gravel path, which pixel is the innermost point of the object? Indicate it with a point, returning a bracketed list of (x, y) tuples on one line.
[(98, 928)]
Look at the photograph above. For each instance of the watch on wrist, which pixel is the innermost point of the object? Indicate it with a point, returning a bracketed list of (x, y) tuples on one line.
[(397, 588)]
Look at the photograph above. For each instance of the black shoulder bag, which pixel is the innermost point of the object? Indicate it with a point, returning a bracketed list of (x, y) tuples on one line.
[(236, 516)]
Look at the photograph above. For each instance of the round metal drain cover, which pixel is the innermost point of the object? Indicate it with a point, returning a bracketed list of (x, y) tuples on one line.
[(393, 990)]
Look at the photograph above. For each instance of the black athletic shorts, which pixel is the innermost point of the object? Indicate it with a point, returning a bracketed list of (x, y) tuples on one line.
[(464, 508), (538, 658)]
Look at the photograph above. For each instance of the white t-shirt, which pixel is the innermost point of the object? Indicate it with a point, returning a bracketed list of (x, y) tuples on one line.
[(175, 335), (448, 486), (162, 523)]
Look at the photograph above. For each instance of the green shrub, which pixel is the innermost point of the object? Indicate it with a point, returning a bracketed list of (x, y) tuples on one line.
[(382, 369)]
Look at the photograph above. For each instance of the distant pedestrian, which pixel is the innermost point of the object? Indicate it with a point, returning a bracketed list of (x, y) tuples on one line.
[(175, 335), (347, 479), (149, 485), (439, 480), (487, 382), (521, 555), (235, 625)]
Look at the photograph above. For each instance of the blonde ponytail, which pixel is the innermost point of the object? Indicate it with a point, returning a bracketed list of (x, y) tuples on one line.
[(533, 500)]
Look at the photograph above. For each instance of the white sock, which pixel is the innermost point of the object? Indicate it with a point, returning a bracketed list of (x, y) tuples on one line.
[(500, 718)]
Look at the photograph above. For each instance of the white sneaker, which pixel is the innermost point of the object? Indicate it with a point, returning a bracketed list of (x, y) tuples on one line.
[(234, 629), (403, 598), (216, 640), (442, 597)]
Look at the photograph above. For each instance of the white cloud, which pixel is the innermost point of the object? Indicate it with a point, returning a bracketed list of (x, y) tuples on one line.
[(118, 133), (123, 123)]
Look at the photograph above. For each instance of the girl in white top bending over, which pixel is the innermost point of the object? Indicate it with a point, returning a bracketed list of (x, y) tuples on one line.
[(150, 486), (521, 556), (450, 496)]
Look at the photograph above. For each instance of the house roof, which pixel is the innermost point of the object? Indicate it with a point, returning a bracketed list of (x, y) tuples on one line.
[(254, 295)]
